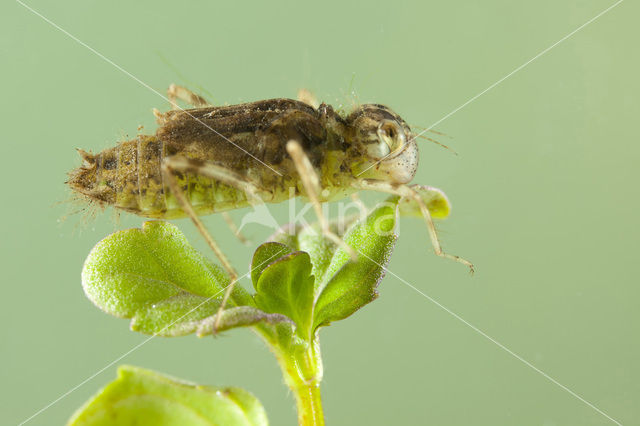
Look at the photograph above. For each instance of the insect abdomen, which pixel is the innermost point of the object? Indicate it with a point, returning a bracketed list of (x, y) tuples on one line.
[(129, 177)]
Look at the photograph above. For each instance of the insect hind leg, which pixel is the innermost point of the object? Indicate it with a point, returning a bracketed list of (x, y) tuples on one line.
[(408, 192), (172, 165), (234, 228)]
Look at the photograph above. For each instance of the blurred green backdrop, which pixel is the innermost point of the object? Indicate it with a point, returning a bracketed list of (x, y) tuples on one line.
[(544, 192)]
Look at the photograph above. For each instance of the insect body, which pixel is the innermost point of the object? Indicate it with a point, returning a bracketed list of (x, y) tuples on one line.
[(250, 145), (213, 159)]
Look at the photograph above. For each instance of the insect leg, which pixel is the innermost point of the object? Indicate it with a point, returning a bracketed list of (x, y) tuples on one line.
[(232, 226), (407, 191), (181, 164), (169, 168), (311, 184), (175, 92)]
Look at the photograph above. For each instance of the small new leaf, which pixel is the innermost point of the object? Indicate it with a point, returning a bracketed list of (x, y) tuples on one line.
[(144, 397), (265, 255), (157, 279), (286, 287)]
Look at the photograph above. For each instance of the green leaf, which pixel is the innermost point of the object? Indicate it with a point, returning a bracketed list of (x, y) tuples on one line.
[(286, 287), (157, 279), (310, 239), (341, 285), (347, 285), (144, 397), (264, 255), (176, 316)]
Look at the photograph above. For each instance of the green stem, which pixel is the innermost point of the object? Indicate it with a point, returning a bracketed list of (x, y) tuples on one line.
[(309, 405), (301, 366), (303, 374)]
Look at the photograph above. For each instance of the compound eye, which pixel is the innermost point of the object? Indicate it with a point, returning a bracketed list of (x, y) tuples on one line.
[(391, 137)]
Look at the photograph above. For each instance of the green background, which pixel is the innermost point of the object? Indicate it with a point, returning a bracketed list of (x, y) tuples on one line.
[(544, 194)]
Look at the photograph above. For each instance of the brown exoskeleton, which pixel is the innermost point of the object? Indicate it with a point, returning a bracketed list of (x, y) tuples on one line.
[(212, 159)]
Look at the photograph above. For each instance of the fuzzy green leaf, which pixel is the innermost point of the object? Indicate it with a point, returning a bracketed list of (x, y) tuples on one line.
[(310, 240), (144, 397), (286, 287), (157, 279), (264, 255), (341, 285), (349, 285), (176, 316)]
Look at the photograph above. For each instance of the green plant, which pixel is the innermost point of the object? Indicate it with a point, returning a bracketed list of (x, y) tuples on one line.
[(302, 283)]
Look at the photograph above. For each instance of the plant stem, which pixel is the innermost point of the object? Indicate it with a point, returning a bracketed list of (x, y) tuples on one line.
[(303, 373), (301, 366), (309, 405)]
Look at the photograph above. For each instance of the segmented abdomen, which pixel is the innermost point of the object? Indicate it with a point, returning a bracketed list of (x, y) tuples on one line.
[(129, 176)]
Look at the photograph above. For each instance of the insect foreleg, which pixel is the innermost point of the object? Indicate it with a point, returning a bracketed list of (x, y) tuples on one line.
[(175, 92), (311, 183), (407, 191)]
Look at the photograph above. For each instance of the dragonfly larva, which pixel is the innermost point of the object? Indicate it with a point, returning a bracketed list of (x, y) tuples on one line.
[(213, 159)]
